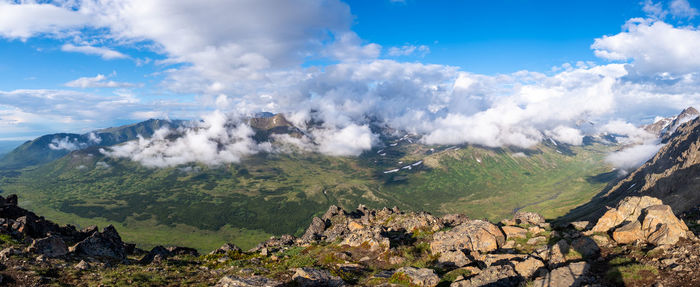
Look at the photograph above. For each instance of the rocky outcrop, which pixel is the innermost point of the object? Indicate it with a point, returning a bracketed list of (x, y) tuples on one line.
[(253, 281), (51, 246), (642, 219), (311, 277), (474, 235), (226, 248), (572, 275), (106, 244), (419, 276)]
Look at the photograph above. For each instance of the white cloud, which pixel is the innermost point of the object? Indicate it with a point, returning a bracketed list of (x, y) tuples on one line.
[(66, 144), (105, 53), (407, 50), (682, 9), (348, 141), (218, 139), (29, 18), (633, 157), (654, 47), (567, 135), (99, 81)]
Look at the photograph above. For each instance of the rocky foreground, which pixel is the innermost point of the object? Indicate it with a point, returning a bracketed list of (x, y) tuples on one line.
[(638, 243)]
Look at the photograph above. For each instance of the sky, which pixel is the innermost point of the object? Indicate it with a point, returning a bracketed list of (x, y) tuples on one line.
[(493, 73)]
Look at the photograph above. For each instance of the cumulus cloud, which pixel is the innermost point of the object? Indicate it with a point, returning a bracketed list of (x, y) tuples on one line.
[(407, 50), (66, 143), (654, 47), (634, 156), (682, 9), (249, 56), (31, 18), (105, 53), (99, 81), (216, 140)]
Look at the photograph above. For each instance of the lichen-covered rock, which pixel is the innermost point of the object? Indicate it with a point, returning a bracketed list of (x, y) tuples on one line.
[(661, 226), (254, 281), (496, 276), (315, 230), (572, 275), (311, 277), (523, 217), (586, 246), (419, 276), (528, 267), (51, 246), (107, 244), (453, 259), (475, 235), (629, 209), (628, 233), (369, 238), (556, 254), (156, 251), (513, 232), (226, 248)]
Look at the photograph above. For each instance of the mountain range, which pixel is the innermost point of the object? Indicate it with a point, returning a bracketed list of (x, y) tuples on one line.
[(67, 178)]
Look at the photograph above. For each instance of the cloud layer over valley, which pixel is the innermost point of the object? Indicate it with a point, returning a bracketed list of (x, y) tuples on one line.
[(244, 57)]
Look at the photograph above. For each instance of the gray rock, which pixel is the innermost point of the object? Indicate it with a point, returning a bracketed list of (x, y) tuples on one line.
[(82, 265), (494, 276), (420, 276), (572, 275), (311, 277), (225, 249), (522, 217), (586, 246), (52, 246), (315, 230), (156, 251), (254, 281), (106, 244)]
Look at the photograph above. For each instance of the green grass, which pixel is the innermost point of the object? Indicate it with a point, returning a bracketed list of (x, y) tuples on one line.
[(628, 274)]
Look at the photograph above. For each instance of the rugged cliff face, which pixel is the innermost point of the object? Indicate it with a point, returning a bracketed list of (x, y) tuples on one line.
[(672, 175)]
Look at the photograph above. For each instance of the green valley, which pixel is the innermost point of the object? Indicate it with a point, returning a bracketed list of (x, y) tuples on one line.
[(276, 193)]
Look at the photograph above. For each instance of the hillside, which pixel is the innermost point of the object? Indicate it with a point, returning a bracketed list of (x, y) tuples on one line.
[(50, 147), (276, 193), (671, 175)]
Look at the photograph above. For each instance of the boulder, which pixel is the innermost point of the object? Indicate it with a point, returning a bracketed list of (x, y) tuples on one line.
[(275, 243), (475, 235), (556, 254), (513, 232), (522, 217), (661, 226), (315, 230), (82, 265), (495, 276), (572, 275), (51, 246), (629, 209), (628, 233), (106, 244), (586, 246), (369, 238), (528, 267), (254, 281), (9, 251), (156, 251), (333, 210), (419, 276), (311, 277), (178, 250), (580, 225), (453, 259), (226, 248), (453, 219)]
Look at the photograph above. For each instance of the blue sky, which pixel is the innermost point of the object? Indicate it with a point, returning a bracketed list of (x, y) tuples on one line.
[(486, 72), (495, 36)]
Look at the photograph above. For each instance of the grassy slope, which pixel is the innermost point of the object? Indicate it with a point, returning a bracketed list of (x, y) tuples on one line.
[(274, 194)]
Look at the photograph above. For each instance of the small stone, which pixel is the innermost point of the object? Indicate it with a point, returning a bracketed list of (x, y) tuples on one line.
[(536, 240), (513, 232), (420, 276), (82, 265), (579, 225), (535, 230), (311, 277)]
